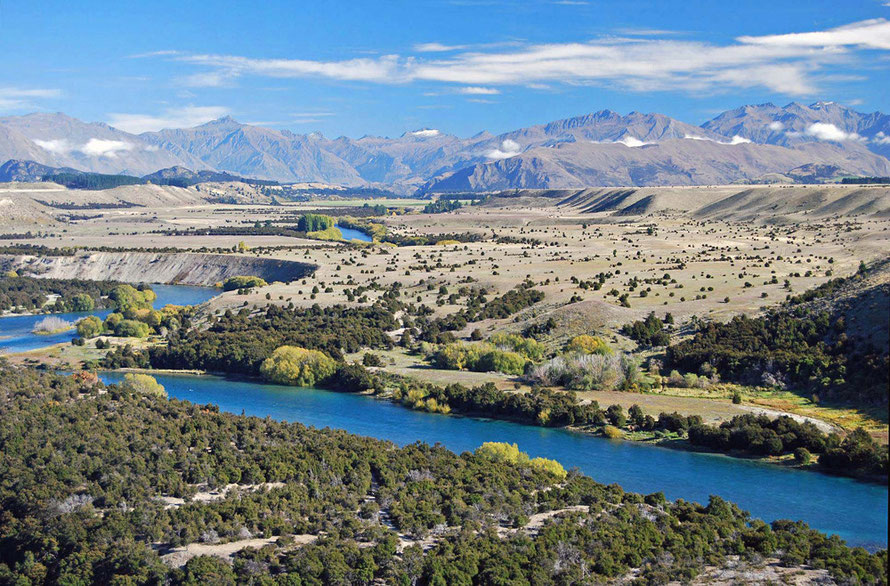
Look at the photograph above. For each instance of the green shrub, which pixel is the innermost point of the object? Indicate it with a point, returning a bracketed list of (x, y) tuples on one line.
[(143, 384), (292, 365), (242, 282), (588, 345), (90, 327), (131, 328)]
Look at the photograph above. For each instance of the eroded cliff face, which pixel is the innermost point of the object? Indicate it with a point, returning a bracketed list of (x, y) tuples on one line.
[(155, 267)]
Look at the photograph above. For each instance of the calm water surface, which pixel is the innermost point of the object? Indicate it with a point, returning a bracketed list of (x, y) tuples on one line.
[(853, 510), (350, 234), (16, 335)]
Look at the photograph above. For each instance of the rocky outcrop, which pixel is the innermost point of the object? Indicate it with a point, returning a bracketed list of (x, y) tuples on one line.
[(150, 267)]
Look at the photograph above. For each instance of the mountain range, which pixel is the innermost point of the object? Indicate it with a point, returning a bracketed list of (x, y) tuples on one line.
[(599, 149)]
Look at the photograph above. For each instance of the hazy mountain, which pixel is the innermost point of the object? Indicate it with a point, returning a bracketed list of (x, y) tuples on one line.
[(254, 151), (670, 162), (29, 171), (183, 176), (797, 124), (61, 141), (602, 148)]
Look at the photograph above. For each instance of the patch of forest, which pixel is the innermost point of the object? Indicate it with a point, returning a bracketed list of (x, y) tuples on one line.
[(84, 468)]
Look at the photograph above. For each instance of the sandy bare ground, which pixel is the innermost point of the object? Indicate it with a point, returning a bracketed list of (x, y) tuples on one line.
[(179, 556), (767, 572), (536, 521), (206, 496)]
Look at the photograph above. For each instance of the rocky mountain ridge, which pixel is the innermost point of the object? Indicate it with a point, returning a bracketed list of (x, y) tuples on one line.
[(603, 148)]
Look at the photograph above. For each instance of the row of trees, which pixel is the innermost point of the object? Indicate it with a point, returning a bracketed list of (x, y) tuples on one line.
[(857, 454), (32, 294)]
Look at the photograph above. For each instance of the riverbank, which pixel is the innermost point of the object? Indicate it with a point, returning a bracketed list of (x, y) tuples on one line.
[(668, 440), (769, 492)]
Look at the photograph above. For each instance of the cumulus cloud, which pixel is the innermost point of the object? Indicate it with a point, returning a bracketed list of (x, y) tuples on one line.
[(776, 126), (632, 142), (509, 148), (881, 138), (827, 131), (57, 146), (101, 147), (425, 133), (171, 118), (16, 98)]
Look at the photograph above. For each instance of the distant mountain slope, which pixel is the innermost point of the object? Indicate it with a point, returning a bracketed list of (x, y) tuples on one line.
[(739, 203), (670, 162), (254, 151), (601, 148), (58, 140), (797, 124), (29, 171)]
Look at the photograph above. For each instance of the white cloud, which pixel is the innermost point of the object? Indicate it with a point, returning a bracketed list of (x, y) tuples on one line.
[(437, 48), (479, 91), (425, 133), (776, 126), (57, 146), (736, 139), (880, 137), (171, 118), (827, 131), (632, 142), (871, 34), (100, 147), (789, 64), (509, 148), (15, 98), (162, 53)]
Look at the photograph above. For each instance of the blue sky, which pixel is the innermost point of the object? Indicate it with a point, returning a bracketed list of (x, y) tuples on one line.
[(355, 68)]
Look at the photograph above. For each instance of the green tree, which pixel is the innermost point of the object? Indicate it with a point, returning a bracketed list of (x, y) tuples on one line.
[(143, 384), (90, 327), (292, 365)]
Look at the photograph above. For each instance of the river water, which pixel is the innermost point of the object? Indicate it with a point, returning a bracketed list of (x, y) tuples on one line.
[(16, 331), (853, 510), (350, 234)]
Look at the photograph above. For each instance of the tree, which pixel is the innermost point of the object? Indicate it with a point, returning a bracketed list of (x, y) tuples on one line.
[(81, 302), (130, 328), (292, 365), (143, 384), (90, 327), (203, 570), (588, 345)]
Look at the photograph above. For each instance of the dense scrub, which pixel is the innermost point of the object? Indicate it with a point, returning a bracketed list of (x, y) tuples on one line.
[(238, 343), (82, 473), (801, 345), (30, 293), (857, 454)]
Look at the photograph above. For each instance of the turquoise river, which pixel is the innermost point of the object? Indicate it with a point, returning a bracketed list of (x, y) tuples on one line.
[(856, 511)]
